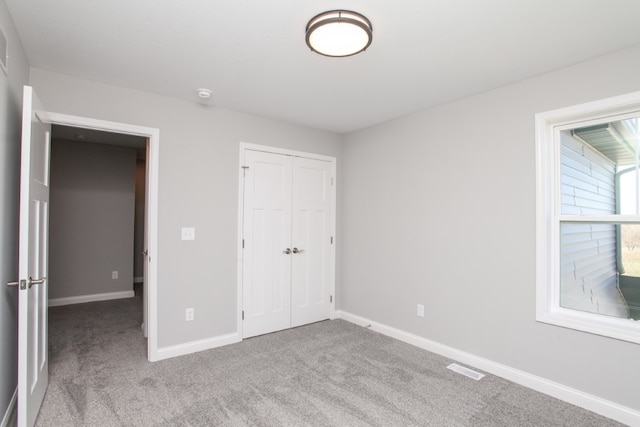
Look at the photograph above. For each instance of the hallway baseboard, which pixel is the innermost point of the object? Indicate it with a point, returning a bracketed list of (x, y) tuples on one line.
[(54, 302)]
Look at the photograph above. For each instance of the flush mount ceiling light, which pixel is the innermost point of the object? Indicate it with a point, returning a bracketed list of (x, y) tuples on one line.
[(339, 33)]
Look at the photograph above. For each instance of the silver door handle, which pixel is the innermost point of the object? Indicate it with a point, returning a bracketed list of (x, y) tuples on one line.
[(287, 251), (297, 251), (27, 283), (33, 281)]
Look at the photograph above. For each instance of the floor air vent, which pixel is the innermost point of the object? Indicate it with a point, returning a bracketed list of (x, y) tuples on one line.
[(465, 371)]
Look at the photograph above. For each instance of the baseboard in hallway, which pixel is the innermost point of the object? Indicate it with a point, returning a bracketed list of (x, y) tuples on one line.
[(81, 299)]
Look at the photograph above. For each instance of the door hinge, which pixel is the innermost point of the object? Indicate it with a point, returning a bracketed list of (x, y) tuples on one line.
[(332, 240), (331, 180), (330, 298), (242, 243), (242, 314)]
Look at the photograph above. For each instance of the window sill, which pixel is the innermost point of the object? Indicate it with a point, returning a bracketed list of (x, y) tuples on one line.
[(612, 327)]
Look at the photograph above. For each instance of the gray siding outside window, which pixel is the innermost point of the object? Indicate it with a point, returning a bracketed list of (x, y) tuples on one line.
[(589, 274)]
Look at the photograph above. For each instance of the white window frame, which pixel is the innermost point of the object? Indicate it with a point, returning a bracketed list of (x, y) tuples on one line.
[(549, 126)]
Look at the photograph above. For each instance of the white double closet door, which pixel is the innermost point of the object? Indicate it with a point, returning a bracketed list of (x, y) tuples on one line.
[(288, 257)]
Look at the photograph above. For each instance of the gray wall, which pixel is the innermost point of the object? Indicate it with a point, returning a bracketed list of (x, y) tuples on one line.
[(199, 169), (91, 218), (10, 126), (449, 194)]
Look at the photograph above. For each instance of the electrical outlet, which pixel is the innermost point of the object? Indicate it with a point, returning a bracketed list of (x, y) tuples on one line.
[(420, 310), (114, 274), (188, 233), (189, 314)]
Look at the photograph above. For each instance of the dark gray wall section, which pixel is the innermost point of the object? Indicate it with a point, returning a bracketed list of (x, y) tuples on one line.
[(138, 244), (10, 127), (630, 288), (91, 218)]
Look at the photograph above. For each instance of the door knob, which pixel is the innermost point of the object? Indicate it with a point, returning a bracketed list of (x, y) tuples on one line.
[(297, 251), (33, 281), (287, 251)]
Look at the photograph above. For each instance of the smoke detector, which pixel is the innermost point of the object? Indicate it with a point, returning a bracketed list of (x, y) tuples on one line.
[(204, 94)]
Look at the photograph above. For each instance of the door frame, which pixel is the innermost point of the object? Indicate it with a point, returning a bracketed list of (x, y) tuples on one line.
[(276, 150), (151, 214)]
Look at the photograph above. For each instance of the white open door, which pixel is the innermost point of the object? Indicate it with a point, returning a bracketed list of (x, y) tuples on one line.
[(33, 260)]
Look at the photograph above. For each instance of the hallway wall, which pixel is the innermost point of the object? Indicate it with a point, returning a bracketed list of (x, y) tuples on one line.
[(91, 220)]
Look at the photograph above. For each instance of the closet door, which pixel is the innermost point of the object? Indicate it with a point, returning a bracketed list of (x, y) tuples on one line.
[(266, 270), (311, 241)]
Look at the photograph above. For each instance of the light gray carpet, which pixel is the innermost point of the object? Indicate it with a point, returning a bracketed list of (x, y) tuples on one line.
[(331, 373)]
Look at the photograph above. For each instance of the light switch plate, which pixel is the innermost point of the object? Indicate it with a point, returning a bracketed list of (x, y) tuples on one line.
[(188, 233)]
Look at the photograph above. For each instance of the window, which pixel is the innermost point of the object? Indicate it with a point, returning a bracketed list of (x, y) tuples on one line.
[(588, 217)]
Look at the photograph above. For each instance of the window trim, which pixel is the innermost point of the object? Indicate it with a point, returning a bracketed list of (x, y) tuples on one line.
[(548, 126)]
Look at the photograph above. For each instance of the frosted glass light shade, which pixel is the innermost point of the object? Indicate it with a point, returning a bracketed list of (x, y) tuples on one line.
[(339, 33)]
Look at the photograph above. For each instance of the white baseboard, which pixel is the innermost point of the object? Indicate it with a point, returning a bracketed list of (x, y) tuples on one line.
[(10, 409), (138, 279), (195, 346), (90, 298), (587, 401)]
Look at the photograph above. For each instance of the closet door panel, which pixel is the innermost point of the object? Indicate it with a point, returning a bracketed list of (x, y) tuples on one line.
[(266, 268), (311, 234)]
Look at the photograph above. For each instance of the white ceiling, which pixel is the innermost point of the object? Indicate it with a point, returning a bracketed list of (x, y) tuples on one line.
[(253, 56)]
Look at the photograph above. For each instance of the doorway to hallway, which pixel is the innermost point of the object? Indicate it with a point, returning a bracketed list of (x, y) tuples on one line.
[(83, 125), (96, 215)]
